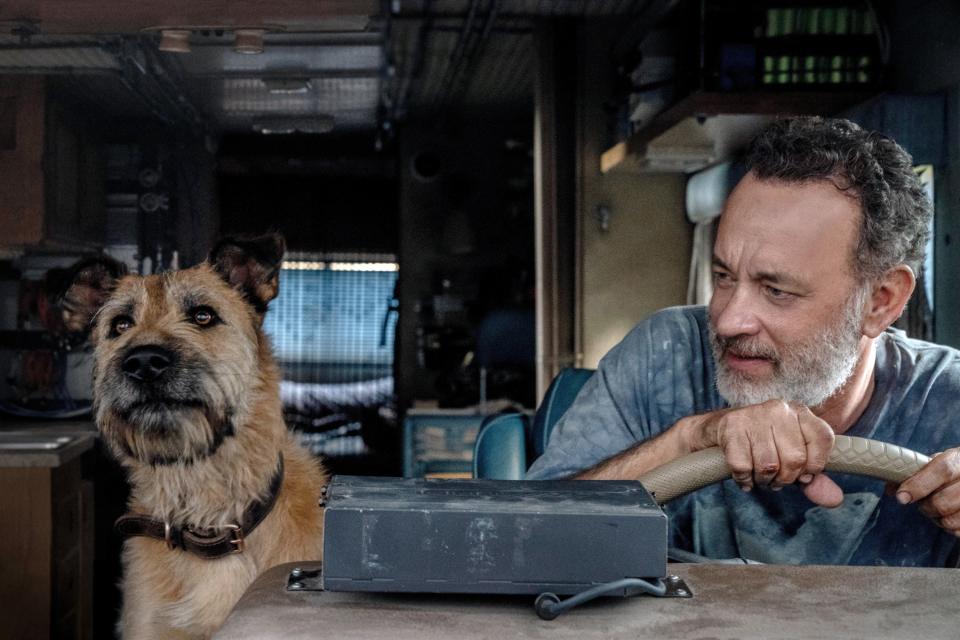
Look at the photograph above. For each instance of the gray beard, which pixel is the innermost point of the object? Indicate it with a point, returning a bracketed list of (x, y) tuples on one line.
[(807, 373)]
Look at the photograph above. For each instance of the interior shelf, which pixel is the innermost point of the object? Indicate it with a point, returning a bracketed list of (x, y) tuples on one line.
[(707, 127)]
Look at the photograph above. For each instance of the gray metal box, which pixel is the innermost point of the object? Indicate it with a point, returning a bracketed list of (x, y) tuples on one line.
[(489, 536)]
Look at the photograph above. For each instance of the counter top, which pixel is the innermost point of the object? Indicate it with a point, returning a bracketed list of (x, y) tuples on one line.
[(736, 602), (41, 443)]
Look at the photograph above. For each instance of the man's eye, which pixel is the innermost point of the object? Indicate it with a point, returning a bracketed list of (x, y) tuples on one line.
[(120, 324), (777, 294), (203, 316), (721, 277)]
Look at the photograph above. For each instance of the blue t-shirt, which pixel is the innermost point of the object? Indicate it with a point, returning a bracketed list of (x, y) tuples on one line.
[(663, 370)]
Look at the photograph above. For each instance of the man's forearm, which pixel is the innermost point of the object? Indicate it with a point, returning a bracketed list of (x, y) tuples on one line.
[(650, 454)]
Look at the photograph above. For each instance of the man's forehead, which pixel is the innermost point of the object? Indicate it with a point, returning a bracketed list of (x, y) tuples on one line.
[(788, 226), (805, 207)]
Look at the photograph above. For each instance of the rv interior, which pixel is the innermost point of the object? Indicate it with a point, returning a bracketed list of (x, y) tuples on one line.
[(475, 195)]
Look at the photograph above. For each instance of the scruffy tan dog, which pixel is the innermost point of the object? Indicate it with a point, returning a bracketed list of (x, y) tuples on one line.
[(186, 395)]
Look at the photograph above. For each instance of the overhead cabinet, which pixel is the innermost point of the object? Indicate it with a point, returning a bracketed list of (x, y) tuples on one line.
[(700, 94)]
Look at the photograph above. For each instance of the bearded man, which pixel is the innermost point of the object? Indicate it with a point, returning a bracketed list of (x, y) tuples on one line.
[(815, 258)]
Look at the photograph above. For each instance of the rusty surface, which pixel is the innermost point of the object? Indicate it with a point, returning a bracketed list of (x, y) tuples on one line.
[(742, 602)]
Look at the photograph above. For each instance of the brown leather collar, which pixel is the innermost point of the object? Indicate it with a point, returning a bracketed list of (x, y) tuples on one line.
[(206, 543)]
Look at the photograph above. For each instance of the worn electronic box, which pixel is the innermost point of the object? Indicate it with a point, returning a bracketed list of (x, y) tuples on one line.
[(493, 536)]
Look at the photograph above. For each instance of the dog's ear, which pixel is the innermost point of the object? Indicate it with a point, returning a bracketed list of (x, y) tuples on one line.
[(89, 283), (251, 265)]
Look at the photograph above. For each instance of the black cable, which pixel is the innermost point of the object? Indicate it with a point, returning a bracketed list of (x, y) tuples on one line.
[(548, 606)]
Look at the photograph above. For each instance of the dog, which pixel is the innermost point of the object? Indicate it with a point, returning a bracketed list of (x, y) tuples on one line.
[(186, 395)]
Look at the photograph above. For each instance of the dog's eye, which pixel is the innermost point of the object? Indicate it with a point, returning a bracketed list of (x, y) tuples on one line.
[(203, 316), (120, 324)]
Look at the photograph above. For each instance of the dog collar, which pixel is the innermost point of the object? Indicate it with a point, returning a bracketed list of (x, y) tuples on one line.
[(209, 542)]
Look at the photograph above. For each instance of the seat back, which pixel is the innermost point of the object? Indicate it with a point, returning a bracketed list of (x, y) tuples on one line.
[(500, 452), (560, 395), (508, 443)]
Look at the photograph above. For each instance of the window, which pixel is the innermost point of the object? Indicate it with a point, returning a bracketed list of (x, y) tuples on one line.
[(332, 327)]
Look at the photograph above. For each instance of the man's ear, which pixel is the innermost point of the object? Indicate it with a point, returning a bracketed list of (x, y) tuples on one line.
[(89, 283), (887, 299), (251, 265)]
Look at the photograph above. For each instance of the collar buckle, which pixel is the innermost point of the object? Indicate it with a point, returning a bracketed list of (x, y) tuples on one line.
[(236, 539)]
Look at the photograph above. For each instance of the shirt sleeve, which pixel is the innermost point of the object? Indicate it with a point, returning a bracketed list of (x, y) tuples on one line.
[(632, 397)]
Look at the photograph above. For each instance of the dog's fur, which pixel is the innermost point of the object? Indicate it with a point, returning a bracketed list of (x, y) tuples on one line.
[(202, 441)]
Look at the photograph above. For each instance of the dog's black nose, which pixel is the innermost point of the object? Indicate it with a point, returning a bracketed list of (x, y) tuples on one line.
[(146, 364)]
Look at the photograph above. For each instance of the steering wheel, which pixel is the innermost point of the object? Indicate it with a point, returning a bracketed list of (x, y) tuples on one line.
[(849, 455), (681, 476)]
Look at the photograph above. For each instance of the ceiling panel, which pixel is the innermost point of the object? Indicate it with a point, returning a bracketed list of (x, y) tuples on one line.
[(493, 41), (77, 58), (82, 53), (532, 8), (321, 55), (237, 103), (446, 55), (130, 16)]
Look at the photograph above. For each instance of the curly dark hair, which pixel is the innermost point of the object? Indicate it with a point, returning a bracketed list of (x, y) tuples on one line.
[(874, 168)]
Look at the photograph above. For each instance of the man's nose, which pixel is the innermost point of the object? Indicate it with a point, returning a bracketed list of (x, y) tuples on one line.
[(734, 312)]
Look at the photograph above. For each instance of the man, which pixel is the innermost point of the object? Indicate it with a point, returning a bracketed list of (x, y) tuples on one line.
[(815, 258)]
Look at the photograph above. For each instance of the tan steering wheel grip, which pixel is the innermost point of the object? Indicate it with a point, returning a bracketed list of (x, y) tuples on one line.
[(850, 454)]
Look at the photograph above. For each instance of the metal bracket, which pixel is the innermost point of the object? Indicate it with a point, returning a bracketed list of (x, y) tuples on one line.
[(305, 580), (676, 588)]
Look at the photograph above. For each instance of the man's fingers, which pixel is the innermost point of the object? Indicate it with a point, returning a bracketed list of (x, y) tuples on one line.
[(766, 459), (776, 443), (950, 523), (736, 448), (818, 438), (942, 504), (943, 507), (942, 469), (792, 450), (823, 491), (936, 490)]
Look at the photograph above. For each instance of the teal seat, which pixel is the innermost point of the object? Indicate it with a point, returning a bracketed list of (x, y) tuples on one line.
[(508, 443), (500, 451)]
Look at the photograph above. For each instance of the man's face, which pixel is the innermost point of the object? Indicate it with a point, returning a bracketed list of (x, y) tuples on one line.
[(786, 311)]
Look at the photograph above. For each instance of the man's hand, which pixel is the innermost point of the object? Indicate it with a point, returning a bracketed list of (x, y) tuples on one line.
[(775, 443), (936, 489)]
